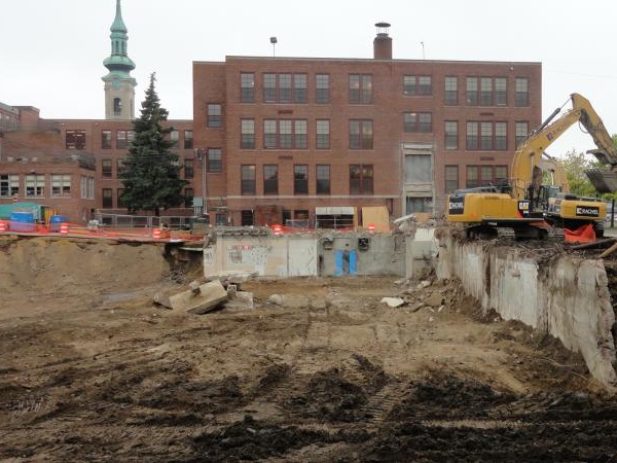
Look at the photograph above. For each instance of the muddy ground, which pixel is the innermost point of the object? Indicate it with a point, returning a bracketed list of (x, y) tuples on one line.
[(92, 371)]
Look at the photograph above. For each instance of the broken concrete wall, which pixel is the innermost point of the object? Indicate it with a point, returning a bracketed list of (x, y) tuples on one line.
[(567, 296), (421, 250), (375, 254), (273, 256)]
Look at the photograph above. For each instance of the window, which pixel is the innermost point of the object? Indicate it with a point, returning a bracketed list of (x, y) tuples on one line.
[(106, 139), (322, 88), (75, 139), (361, 179), (247, 87), (300, 179), (417, 85), (61, 185), (451, 135), (285, 133), (472, 176), (360, 88), (214, 160), (486, 135), (9, 185), (284, 88), (269, 88), (486, 175), (121, 139), (418, 204), (271, 179), (284, 95), (450, 96), (119, 200), (522, 91), (322, 134), (501, 136), (472, 91), (247, 218), (472, 136), (522, 130), (360, 134), (323, 179), (247, 140), (492, 136), (300, 134), (247, 175), (501, 91), (451, 179), (189, 193), (117, 107), (215, 115), (87, 187), (418, 168), (486, 91), (106, 169), (418, 122), (270, 135), (189, 171), (300, 81), (108, 198), (188, 139)]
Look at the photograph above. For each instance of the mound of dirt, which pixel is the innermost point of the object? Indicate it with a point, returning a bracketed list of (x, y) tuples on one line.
[(46, 265)]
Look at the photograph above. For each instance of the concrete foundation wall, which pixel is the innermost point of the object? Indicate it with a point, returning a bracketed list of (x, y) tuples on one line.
[(304, 255), (567, 297)]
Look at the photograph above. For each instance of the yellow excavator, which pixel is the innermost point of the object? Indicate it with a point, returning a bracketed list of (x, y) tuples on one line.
[(527, 206)]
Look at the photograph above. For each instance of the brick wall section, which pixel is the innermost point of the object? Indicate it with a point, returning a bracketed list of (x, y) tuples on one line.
[(220, 82), (43, 139)]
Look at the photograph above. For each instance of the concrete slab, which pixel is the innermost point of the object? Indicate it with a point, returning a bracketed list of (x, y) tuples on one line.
[(208, 297)]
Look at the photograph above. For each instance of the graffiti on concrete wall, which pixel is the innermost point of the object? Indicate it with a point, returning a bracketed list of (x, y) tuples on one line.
[(248, 254)]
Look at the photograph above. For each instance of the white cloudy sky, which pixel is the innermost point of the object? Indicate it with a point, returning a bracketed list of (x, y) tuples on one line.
[(51, 51)]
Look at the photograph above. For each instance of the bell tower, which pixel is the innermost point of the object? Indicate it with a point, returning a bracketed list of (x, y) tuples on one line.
[(119, 85)]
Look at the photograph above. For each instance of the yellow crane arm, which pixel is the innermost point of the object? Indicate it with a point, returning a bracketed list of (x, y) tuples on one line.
[(528, 156)]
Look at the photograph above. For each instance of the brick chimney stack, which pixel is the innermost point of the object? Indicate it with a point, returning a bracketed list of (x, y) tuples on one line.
[(382, 44)]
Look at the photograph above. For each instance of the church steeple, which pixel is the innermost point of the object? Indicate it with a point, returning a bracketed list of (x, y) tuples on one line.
[(119, 85)]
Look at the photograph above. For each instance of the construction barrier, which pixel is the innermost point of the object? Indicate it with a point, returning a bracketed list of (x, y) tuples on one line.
[(64, 228), (3, 226)]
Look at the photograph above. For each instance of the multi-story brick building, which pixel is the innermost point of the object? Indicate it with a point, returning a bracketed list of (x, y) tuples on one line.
[(291, 135), (73, 165)]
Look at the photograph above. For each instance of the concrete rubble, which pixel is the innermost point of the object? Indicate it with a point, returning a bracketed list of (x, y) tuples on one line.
[(393, 302)]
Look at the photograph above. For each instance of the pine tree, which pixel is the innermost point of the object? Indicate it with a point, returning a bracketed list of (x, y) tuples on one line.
[(151, 175)]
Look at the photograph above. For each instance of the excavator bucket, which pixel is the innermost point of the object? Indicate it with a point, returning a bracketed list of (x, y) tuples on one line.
[(605, 181)]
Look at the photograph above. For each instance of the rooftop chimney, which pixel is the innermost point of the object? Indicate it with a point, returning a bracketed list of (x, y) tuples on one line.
[(382, 44)]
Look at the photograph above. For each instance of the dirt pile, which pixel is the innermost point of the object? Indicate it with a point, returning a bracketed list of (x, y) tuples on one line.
[(43, 266)]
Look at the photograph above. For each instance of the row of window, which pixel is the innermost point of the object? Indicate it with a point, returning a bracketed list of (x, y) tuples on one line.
[(476, 176), (107, 198), (35, 185), (291, 88), (292, 133), (76, 139), (360, 179), (214, 164)]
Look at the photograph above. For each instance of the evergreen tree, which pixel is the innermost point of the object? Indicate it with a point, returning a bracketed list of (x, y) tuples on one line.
[(151, 175)]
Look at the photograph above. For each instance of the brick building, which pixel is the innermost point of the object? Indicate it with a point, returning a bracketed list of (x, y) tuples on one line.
[(72, 165), (285, 136)]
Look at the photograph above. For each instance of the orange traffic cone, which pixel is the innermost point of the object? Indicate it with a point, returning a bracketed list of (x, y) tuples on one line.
[(64, 228), (156, 233)]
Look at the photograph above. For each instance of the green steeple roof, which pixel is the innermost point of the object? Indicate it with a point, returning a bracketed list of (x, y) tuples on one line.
[(119, 62)]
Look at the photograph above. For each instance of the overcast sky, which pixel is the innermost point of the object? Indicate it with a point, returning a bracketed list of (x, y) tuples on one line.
[(52, 50)]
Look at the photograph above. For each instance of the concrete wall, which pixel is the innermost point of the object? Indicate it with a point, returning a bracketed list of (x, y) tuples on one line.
[(567, 297), (385, 254), (278, 256), (420, 252), (303, 255)]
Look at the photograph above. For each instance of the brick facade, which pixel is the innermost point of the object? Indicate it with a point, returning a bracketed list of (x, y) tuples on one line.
[(220, 83)]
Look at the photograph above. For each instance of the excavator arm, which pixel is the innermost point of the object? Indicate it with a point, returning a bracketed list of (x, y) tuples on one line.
[(526, 165)]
